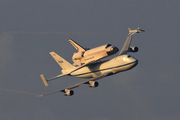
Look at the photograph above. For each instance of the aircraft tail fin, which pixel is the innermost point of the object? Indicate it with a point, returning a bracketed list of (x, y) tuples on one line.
[(76, 45), (65, 65), (129, 29)]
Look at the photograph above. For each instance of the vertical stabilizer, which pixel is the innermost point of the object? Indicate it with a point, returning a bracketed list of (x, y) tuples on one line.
[(65, 65), (129, 29), (76, 45)]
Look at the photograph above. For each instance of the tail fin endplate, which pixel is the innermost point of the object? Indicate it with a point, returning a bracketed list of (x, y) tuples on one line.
[(44, 80)]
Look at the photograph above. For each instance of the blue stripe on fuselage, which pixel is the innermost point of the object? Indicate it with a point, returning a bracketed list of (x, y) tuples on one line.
[(106, 69)]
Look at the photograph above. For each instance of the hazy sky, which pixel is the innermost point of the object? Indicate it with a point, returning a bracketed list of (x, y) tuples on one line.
[(30, 29)]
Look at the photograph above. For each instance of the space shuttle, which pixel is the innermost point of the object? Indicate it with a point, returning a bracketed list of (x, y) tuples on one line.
[(86, 56)]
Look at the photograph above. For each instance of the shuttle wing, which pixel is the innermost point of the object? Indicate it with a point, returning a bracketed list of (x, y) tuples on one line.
[(76, 45), (77, 85)]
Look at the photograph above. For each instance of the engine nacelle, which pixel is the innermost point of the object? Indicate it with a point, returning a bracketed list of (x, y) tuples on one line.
[(78, 55), (69, 92), (133, 49), (93, 84)]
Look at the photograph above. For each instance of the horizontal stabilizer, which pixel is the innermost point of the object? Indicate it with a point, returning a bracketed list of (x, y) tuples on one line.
[(44, 80)]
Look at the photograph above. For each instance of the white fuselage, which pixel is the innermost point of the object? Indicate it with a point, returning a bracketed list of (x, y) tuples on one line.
[(95, 54), (115, 65)]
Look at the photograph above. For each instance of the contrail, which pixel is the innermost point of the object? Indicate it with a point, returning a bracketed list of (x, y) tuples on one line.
[(16, 91), (55, 32)]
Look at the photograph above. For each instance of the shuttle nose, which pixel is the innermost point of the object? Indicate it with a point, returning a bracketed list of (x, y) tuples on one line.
[(115, 49), (112, 50)]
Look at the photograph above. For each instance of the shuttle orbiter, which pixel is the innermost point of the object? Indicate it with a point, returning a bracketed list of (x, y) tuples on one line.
[(86, 56)]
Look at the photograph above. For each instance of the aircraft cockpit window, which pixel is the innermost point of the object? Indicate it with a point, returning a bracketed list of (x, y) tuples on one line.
[(108, 45), (128, 56)]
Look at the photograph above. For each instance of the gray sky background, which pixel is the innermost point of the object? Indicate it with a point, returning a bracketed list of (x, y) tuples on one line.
[(30, 29)]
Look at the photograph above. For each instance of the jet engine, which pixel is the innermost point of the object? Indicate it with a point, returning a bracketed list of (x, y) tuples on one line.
[(69, 92), (93, 84), (133, 49)]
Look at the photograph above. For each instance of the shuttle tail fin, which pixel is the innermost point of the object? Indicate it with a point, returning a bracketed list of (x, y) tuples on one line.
[(65, 65), (76, 45)]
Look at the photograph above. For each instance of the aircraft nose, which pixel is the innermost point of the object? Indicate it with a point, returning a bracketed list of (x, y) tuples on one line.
[(133, 60)]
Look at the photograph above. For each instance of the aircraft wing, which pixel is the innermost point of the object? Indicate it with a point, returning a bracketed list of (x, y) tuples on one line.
[(77, 85), (45, 81), (77, 68), (125, 48), (127, 43)]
